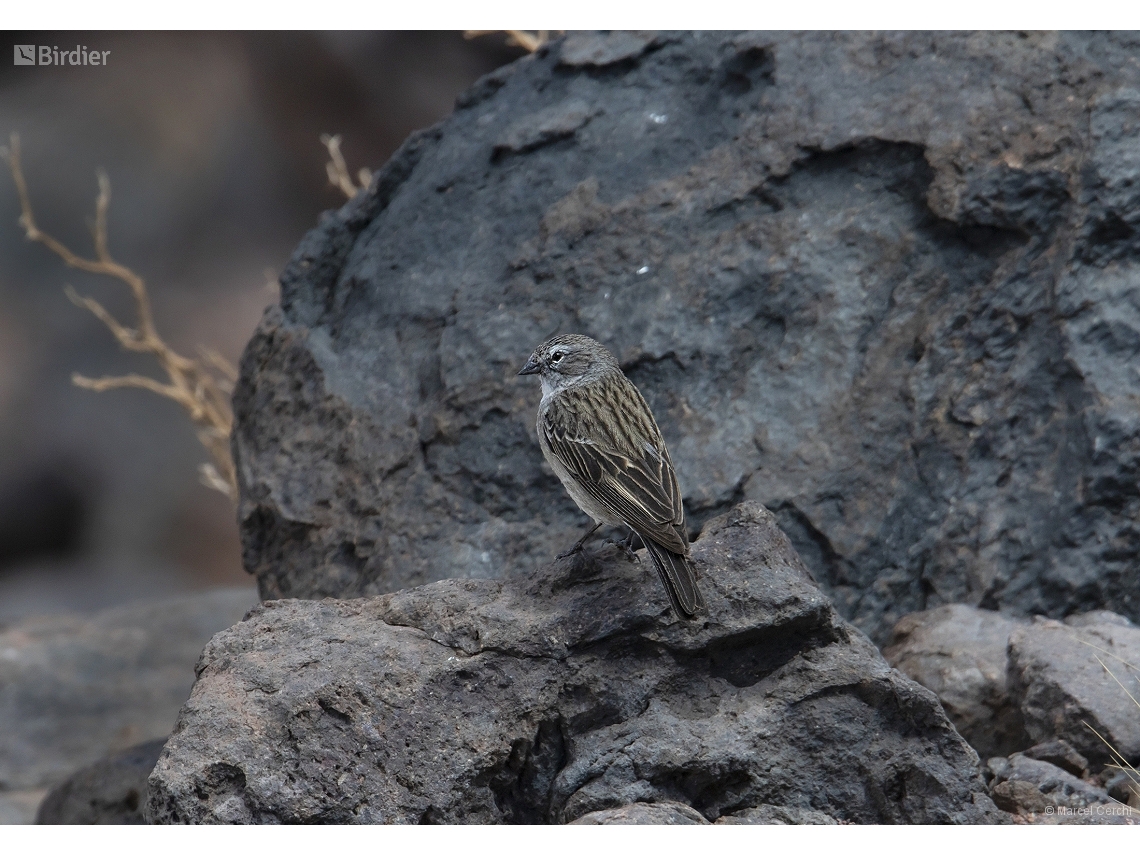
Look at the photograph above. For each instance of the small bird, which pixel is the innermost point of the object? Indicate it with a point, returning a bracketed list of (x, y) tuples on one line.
[(599, 437)]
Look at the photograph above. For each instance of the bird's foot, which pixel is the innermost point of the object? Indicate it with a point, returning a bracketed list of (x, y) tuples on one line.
[(626, 546), (573, 550), (577, 547)]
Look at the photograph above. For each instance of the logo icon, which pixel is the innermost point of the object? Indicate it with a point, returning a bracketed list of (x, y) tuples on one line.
[(24, 55)]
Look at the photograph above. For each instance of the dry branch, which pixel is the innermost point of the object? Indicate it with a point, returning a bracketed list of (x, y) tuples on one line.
[(528, 40), (337, 169), (203, 393)]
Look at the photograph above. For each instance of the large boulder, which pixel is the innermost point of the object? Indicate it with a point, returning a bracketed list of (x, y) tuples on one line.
[(886, 284), (574, 690)]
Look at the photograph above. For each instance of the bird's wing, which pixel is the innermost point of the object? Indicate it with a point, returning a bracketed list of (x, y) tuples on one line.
[(630, 474)]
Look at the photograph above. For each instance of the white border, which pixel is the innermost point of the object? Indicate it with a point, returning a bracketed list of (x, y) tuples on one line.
[(567, 840), (571, 15)]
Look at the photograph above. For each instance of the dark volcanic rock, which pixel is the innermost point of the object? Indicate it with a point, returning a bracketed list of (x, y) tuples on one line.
[(960, 654), (109, 792), (571, 691), (886, 284)]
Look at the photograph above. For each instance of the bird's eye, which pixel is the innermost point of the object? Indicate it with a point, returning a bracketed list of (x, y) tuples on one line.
[(556, 356)]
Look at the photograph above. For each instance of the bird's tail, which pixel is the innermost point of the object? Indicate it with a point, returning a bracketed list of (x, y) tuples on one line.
[(679, 578)]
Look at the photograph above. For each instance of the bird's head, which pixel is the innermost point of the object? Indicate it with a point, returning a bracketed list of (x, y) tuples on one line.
[(567, 360)]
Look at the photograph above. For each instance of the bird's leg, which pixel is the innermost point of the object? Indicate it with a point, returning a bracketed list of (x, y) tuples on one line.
[(577, 547)]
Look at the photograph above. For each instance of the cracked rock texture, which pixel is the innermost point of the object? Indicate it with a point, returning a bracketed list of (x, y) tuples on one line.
[(886, 284), (545, 698)]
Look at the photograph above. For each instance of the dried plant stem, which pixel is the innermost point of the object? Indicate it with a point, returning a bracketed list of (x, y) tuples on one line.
[(337, 169), (528, 40), (204, 396), (1122, 763)]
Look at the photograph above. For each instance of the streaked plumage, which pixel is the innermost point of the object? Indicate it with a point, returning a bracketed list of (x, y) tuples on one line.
[(599, 436)]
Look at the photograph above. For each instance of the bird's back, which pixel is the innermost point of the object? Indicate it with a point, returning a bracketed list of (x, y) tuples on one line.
[(604, 438)]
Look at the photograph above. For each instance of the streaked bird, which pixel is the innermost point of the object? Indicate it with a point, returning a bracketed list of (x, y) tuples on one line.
[(600, 438)]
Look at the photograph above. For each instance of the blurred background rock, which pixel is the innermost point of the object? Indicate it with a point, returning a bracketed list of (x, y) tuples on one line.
[(211, 141)]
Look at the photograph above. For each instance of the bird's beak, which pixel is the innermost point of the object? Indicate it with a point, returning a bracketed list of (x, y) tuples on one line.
[(531, 367)]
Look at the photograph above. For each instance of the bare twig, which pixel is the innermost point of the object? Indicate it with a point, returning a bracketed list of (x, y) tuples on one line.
[(528, 40), (337, 169), (202, 393)]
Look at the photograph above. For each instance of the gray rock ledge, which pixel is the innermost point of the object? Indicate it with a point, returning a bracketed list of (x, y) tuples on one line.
[(574, 690)]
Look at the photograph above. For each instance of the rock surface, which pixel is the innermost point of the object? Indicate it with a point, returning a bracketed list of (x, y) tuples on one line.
[(1011, 683), (1124, 787), (1065, 692), (959, 653), (110, 791), (73, 690), (1060, 754), (644, 813), (574, 690), (886, 284), (773, 815), (1044, 792)]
